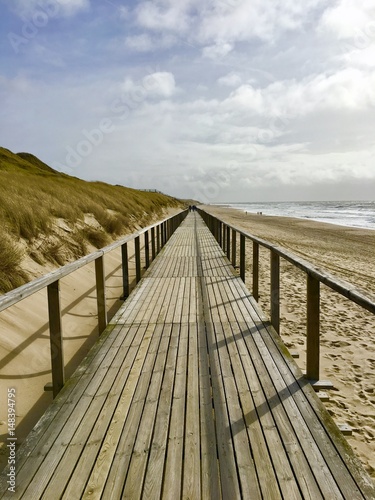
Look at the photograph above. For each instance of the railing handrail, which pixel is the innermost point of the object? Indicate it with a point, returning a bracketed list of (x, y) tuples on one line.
[(343, 287), (14, 296)]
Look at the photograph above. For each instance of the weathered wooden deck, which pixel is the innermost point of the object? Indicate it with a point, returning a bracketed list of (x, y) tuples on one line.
[(189, 393)]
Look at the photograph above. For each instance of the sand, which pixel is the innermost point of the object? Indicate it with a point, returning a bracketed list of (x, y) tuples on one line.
[(347, 331)]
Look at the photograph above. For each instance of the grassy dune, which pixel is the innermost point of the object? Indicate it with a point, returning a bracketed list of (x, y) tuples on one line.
[(53, 217)]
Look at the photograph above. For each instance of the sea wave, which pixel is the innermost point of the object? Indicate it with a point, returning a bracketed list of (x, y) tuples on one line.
[(359, 214)]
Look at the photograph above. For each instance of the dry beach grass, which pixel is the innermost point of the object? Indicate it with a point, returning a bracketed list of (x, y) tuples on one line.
[(54, 218), (347, 331)]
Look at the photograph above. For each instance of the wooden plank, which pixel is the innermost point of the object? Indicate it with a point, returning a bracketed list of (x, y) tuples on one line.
[(191, 482), (272, 465), (172, 484), (243, 454), (115, 450), (289, 424), (226, 455), (317, 447), (141, 449), (45, 433), (71, 440), (82, 449), (210, 473), (154, 473)]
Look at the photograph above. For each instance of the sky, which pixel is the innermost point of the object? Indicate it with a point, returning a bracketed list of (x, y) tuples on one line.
[(216, 100)]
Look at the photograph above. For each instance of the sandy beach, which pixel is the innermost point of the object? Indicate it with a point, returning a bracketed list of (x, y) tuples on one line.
[(347, 331)]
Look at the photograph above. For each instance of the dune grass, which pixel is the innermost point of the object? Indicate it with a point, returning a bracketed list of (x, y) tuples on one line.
[(33, 196)]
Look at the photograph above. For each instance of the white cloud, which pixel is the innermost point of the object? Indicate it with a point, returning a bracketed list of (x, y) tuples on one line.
[(350, 19), (162, 84), (217, 51), (230, 80), (167, 15), (145, 42), (226, 21), (348, 89), (158, 84), (259, 19)]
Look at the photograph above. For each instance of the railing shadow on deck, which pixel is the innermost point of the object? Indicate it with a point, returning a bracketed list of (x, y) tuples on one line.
[(226, 235)]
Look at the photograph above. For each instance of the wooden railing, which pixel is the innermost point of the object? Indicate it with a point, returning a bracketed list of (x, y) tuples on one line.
[(156, 235), (226, 235)]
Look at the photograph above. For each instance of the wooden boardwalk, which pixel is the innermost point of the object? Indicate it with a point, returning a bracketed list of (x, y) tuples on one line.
[(188, 394)]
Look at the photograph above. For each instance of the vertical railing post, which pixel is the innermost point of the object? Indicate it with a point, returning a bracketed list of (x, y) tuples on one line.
[(100, 293), (220, 232), (137, 251), (234, 247), (275, 291), (125, 271), (158, 238), (256, 270), (164, 234), (313, 329), (242, 257), (228, 242), (56, 338), (147, 251), (153, 249)]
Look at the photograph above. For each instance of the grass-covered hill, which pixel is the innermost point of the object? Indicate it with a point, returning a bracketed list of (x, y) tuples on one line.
[(50, 217)]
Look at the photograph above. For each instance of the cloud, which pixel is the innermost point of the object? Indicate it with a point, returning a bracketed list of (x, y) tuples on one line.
[(348, 89), (218, 23), (217, 51), (145, 42), (230, 80), (350, 19), (169, 15), (158, 84)]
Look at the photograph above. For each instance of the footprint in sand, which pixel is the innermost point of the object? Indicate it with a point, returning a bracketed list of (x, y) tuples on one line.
[(339, 343)]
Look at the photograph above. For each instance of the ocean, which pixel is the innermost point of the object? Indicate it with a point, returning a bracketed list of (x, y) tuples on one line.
[(360, 214)]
